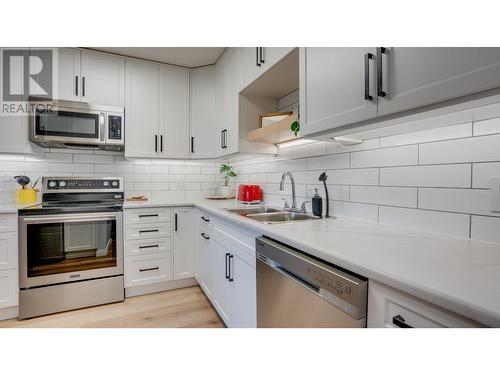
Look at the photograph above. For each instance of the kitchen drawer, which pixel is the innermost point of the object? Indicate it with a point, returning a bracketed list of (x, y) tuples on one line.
[(152, 230), (148, 269), (205, 220), (8, 222), (153, 246), (9, 288), (388, 307), (8, 250), (239, 235), (150, 215)]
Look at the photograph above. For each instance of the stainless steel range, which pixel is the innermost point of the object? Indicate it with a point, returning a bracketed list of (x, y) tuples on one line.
[(71, 246)]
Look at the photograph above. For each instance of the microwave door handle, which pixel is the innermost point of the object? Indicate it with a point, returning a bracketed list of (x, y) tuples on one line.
[(102, 121)]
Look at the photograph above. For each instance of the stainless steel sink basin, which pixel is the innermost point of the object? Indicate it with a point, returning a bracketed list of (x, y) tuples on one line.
[(281, 217), (245, 211)]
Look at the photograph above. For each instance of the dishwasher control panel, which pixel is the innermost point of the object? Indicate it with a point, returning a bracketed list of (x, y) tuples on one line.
[(328, 281)]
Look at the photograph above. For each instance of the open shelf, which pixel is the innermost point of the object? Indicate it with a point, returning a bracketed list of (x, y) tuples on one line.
[(278, 132)]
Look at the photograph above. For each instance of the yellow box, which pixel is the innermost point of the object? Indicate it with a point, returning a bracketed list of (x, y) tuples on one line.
[(25, 196)]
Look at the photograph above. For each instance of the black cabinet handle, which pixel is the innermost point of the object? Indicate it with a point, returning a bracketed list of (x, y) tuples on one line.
[(224, 138), (399, 321), (175, 222), (368, 57), (76, 85), (380, 88), (226, 267), (149, 230), (149, 269), (262, 55), (83, 86), (205, 236), (205, 219), (161, 143), (192, 145), (148, 215), (148, 246), (230, 278), (156, 142), (257, 58)]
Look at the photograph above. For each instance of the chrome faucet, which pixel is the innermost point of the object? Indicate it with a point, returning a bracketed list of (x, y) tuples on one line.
[(282, 187)]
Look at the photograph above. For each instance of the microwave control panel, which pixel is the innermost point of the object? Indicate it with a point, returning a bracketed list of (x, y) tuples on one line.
[(115, 127)]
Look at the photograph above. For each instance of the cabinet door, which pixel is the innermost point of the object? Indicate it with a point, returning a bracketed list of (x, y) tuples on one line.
[(227, 76), (103, 79), (9, 288), (141, 108), (174, 113), (250, 65), (415, 77), (244, 314), (69, 76), (205, 140), (272, 55), (332, 82), (222, 294), (183, 243), (207, 262)]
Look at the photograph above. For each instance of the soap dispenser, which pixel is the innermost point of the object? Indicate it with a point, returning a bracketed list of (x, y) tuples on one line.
[(317, 204)]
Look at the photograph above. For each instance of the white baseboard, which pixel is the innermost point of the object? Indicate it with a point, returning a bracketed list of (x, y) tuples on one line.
[(159, 287), (9, 312)]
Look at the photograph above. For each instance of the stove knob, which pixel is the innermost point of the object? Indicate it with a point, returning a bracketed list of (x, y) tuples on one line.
[(52, 184), (105, 183), (114, 183), (62, 183)]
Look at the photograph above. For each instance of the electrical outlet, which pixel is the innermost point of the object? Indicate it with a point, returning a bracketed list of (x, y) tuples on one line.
[(495, 193), (180, 185)]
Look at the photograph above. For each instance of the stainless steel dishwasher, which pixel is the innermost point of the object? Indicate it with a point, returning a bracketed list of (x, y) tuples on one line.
[(296, 290)]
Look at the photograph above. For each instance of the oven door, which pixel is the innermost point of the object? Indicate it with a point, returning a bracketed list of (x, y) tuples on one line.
[(67, 126), (63, 248)]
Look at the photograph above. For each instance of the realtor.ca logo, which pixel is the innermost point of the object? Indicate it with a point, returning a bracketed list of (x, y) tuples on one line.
[(27, 76)]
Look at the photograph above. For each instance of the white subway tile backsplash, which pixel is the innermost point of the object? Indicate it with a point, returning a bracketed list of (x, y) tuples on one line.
[(485, 228), (56, 168), (368, 176), (114, 168), (385, 157), (430, 221), (476, 149), (453, 175), (309, 150), (336, 148), (448, 132), (292, 165), (335, 192), (79, 158), (335, 161), (185, 169), (359, 211), (390, 196), (456, 200), (484, 127), (481, 173)]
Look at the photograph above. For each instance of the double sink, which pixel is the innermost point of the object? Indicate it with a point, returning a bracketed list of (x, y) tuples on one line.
[(271, 215)]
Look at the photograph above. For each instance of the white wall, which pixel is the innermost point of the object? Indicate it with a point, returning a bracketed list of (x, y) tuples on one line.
[(435, 180), (159, 180)]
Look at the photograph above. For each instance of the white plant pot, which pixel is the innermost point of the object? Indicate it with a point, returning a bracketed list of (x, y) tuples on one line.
[(225, 190)]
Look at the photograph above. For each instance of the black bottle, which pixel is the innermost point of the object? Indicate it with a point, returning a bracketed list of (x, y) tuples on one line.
[(317, 204)]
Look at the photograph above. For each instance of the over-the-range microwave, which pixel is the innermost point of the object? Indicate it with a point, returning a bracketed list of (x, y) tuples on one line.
[(70, 124)]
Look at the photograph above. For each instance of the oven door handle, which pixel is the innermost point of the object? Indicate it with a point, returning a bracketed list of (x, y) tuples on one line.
[(68, 218)]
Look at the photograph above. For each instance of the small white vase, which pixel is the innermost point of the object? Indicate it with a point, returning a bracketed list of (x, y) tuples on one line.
[(225, 190)]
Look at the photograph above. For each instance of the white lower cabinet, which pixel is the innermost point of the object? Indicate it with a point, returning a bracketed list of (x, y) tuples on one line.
[(9, 288), (148, 269), (183, 242), (391, 308), (225, 269), (9, 274)]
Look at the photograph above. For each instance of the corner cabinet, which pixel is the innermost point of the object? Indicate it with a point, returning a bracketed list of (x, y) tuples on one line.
[(157, 111), (352, 87)]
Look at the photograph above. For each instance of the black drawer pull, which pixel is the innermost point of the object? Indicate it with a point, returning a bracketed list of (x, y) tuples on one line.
[(368, 57), (230, 273), (399, 321), (83, 86), (257, 58), (149, 230), (148, 246), (226, 267), (205, 219), (148, 215), (205, 236), (76, 85), (380, 89), (149, 269)]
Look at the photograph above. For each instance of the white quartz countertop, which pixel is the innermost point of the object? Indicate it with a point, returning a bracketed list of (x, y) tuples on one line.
[(457, 274)]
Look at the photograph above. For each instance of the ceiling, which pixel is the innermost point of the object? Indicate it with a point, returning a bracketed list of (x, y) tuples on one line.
[(190, 57)]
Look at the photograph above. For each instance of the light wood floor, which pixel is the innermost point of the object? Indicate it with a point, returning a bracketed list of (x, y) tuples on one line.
[(187, 307)]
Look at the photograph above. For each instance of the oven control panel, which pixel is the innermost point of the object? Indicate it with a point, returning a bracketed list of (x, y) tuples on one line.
[(68, 184), (114, 127)]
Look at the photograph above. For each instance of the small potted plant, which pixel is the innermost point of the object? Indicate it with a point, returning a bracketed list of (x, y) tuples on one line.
[(227, 172)]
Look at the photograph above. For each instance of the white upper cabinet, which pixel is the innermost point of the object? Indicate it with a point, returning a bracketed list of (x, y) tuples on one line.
[(69, 76), (103, 79), (254, 61), (332, 82), (141, 108), (183, 242), (415, 77), (174, 113), (91, 77), (204, 130)]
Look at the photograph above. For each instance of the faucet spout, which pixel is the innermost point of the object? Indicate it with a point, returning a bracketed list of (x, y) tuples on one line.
[(282, 187)]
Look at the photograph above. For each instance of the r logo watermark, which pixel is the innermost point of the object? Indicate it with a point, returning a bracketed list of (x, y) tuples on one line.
[(27, 75)]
